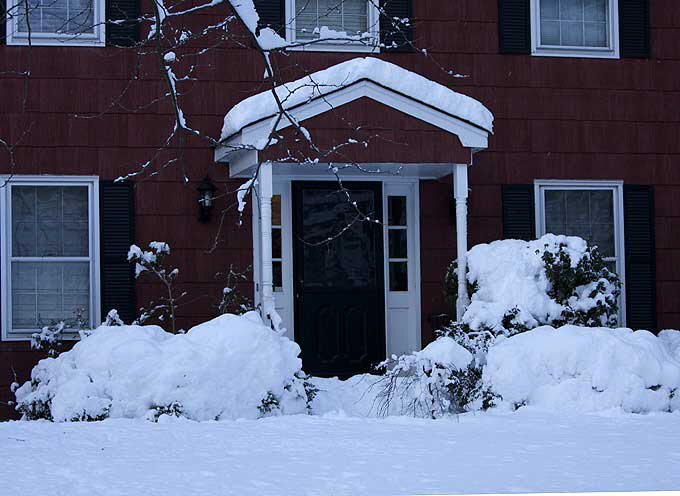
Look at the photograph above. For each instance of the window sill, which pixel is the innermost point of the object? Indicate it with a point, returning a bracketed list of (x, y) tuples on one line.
[(584, 53), (70, 42), (18, 337), (321, 46)]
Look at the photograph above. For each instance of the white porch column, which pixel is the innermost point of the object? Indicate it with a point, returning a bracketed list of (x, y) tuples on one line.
[(460, 192), (266, 191)]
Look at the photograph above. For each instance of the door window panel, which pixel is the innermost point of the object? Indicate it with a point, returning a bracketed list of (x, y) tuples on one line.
[(339, 246), (397, 243), (277, 247)]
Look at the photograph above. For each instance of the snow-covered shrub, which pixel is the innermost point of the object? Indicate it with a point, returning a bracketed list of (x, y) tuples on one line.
[(113, 319), (49, 338), (221, 369), (232, 299), (513, 286), (585, 369), (518, 285), (439, 380), (151, 261)]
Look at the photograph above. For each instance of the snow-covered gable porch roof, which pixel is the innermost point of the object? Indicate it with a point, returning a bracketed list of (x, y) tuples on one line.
[(248, 124)]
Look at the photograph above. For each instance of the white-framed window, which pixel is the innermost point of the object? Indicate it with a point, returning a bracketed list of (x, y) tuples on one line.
[(333, 25), (575, 28), (592, 210), (50, 252), (56, 22)]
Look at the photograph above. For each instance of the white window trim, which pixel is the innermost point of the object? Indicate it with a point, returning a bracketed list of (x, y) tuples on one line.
[(335, 45), (611, 52), (541, 185), (7, 182), (98, 38)]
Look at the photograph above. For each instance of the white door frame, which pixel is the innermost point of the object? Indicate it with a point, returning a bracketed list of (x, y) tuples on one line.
[(284, 299)]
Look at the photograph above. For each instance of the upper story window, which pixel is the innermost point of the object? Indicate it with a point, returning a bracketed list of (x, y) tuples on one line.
[(347, 25), (581, 28), (55, 22)]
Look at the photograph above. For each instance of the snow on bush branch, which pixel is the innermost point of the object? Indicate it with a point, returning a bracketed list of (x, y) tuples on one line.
[(517, 285), (152, 261), (440, 380)]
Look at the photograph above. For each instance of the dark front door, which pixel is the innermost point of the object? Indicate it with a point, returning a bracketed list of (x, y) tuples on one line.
[(338, 271)]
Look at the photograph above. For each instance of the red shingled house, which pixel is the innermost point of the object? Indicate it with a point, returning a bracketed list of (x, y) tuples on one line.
[(585, 141)]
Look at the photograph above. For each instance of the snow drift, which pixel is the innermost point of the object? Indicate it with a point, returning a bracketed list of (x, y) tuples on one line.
[(221, 369), (581, 369)]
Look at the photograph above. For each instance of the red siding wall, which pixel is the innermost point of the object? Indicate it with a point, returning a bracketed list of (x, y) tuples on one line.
[(555, 118)]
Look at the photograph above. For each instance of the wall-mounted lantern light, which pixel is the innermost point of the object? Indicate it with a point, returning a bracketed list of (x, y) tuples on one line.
[(206, 199)]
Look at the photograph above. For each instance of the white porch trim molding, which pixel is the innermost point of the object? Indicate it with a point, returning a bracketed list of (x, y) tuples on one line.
[(411, 94)]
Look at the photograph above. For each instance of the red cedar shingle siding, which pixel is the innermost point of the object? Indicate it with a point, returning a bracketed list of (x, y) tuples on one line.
[(559, 118)]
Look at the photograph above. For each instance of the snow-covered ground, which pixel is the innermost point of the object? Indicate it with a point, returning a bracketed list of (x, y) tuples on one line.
[(526, 451)]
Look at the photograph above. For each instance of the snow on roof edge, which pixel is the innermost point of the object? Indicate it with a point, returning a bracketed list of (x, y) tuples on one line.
[(415, 86)]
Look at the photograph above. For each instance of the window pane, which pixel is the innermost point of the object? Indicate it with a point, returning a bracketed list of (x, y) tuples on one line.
[(603, 238), (330, 14), (350, 16), (276, 210), (550, 32), (397, 243), (611, 266), (75, 203), (277, 271), (58, 16), (572, 33), (276, 243), (602, 206), (305, 18), (578, 208), (24, 241), (596, 34), (81, 18), (76, 240), (588, 214), (571, 10), (555, 211), (579, 23), (49, 239), (550, 9), (398, 276), (50, 221), (396, 208), (595, 10), (43, 293), (354, 17)]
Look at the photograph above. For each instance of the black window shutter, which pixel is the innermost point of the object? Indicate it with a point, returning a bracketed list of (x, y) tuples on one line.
[(634, 28), (638, 212), (518, 212), (514, 26), (122, 24), (394, 35), (3, 22), (116, 234), (272, 14)]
